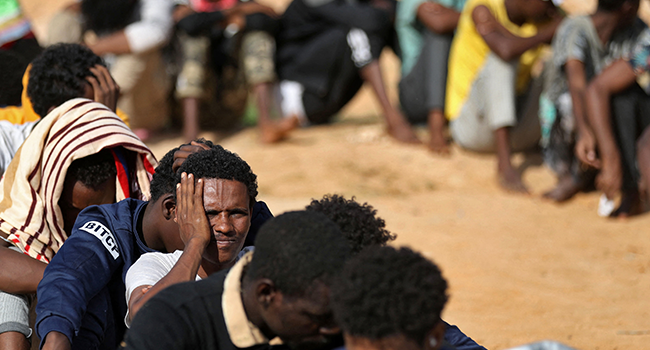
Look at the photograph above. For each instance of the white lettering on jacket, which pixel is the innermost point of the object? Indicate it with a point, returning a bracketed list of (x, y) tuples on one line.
[(104, 235)]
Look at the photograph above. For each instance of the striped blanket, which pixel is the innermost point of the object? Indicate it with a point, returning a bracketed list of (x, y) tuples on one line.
[(33, 182)]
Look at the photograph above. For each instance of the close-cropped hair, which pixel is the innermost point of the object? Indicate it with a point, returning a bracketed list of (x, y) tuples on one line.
[(108, 16), (93, 170), (359, 222), (384, 291), (164, 178), (59, 74), (219, 163), (297, 249), (614, 5)]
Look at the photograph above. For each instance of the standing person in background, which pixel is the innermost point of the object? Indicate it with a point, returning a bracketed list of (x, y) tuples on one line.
[(491, 58), (425, 29), (582, 48), (129, 34), (226, 36), (326, 51)]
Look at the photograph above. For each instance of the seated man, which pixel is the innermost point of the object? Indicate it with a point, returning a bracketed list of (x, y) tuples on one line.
[(81, 297), (425, 30), (130, 34), (243, 45), (389, 298), (81, 154), (622, 135), (489, 66), (582, 48), (363, 229), (326, 50), (279, 290), (209, 246)]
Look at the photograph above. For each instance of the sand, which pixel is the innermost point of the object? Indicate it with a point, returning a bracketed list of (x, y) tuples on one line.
[(521, 269)]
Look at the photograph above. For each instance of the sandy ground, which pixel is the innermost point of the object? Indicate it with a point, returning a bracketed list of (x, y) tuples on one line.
[(521, 269)]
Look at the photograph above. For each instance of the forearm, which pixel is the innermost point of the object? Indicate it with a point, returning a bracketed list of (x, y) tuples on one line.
[(56, 341), (116, 43), (599, 118), (371, 74), (185, 269), (20, 273), (437, 18)]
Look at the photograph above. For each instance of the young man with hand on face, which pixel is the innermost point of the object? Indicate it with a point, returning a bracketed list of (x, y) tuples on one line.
[(279, 290), (81, 297), (214, 207)]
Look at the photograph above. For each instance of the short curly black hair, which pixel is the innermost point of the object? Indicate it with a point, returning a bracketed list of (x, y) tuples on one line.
[(12, 68), (164, 178), (107, 16), (384, 291), (296, 249), (219, 163), (59, 74), (358, 222), (93, 170)]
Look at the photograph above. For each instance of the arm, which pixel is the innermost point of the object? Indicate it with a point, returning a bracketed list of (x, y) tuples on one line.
[(151, 31), (196, 234), (147, 332), (614, 79), (437, 18), (20, 273), (501, 41), (80, 270), (586, 143)]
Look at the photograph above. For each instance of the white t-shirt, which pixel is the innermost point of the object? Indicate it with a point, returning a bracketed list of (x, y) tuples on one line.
[(151, 268)]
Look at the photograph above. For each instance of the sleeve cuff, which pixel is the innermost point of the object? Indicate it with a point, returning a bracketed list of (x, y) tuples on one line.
[(54, 323)]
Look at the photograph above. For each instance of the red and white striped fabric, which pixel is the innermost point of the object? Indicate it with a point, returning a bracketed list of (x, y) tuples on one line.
[(33, 182)]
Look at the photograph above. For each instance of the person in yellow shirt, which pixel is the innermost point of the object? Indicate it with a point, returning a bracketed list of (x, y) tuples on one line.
[(495, 46)]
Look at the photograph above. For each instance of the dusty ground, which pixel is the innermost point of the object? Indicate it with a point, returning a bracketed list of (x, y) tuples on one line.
[(521, 269)]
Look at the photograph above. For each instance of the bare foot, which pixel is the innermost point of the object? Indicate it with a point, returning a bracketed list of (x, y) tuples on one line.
[(277, 131), (566, 188), (438, 144), (510, 180), (630, 205)]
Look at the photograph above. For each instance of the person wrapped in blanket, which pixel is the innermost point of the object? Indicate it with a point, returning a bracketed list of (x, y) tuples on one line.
[(79, 154)]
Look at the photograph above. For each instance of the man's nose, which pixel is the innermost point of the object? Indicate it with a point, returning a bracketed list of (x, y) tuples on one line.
[(222, 223)]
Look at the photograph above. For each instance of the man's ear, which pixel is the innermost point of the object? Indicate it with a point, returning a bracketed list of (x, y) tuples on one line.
[(266, 293), (168, 205), (435, 336)]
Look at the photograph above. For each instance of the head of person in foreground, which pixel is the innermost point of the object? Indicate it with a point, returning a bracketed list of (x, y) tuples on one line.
[(229, 193), (286, 287), (390, 299)]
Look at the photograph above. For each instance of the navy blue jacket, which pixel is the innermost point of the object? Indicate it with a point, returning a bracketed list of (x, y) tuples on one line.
[(82, 293)]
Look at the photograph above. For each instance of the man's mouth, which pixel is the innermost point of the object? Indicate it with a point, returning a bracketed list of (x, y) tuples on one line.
[(224, 242)]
